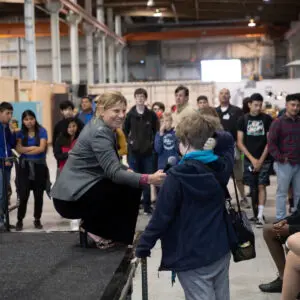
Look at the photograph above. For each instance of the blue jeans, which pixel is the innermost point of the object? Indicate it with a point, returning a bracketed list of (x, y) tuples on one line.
[(7, 173), (286, 174), (207, 283), (143, 165)]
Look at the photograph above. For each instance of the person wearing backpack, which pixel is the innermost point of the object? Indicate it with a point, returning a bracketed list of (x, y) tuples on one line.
[(252, 136), (190, 218)]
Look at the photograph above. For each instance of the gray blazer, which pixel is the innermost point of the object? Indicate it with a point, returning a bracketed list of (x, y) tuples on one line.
[(93, 158)]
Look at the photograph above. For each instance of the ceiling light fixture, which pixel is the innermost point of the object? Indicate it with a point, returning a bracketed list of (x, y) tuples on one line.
[(251, 23), (157, 13), (150, 3)]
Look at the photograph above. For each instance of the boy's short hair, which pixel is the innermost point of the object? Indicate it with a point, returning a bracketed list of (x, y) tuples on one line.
[(182, 88), (87, 97), (160, 105), (202, 97), (66, 104), (6, 106), (293, 97), (141, 91), (256, 97), (195, 129)]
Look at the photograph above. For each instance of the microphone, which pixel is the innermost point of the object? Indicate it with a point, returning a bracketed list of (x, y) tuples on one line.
[(172, 160)]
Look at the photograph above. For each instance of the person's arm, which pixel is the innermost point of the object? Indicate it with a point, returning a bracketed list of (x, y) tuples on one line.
[(58, 153), (102, 143), (158, 143), (273, 139), (264, 154), (38, 149), (242, 147), (22, 149), (164, 213)]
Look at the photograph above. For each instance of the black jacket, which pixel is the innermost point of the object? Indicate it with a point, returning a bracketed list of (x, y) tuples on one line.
[(140, 131), (229, 119), (189, 218)]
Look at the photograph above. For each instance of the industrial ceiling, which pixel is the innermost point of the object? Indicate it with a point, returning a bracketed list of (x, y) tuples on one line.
[(153, 15)]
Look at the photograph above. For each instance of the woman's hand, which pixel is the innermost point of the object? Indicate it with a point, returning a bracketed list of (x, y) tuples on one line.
[(157, 178)]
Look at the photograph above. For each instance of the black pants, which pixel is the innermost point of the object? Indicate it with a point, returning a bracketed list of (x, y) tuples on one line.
[(107, 210), (38, 194)]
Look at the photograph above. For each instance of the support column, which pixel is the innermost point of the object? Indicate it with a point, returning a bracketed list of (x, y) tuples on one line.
[(102, 74), (53, 7), (126, 75), (73, 19), (89, 47), (111, 48), (119, 50), (30, 39), (19, 54)]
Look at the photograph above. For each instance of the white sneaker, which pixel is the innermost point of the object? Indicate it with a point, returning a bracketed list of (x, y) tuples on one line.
[(260, 222)]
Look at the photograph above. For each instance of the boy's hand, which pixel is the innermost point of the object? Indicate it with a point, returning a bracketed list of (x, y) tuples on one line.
[(279, 224), (162, 128), (210, 144), (8, 164), (256, 165)]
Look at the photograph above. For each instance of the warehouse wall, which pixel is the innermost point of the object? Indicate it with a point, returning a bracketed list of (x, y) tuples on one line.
[(179, 60)]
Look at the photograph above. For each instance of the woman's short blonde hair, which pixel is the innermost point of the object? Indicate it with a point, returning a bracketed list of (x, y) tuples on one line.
[(109, 99), (195, 129)]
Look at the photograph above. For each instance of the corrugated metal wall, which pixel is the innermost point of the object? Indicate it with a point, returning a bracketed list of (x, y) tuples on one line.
[(180, 60)]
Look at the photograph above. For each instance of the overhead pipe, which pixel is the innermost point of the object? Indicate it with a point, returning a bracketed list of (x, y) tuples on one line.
[(91, 20), (140, 3), (189, 23), (202, 33)]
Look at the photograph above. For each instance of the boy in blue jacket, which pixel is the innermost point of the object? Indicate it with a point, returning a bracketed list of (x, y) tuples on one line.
[(166, 143), (7, 142), (189, 218)]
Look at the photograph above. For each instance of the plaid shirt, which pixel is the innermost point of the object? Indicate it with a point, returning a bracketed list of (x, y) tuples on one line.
[(284, 140)]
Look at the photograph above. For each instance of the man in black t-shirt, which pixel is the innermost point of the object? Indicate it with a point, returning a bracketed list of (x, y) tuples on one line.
[(253, 130)]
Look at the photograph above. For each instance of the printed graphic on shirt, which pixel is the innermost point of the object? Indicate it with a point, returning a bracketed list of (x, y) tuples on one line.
[(168, 141), (255, 128)]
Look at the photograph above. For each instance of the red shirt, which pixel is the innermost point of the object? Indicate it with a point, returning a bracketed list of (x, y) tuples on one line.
[(65, 149)]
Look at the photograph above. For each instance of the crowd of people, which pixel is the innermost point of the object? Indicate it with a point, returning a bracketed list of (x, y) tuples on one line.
[(204, 146)]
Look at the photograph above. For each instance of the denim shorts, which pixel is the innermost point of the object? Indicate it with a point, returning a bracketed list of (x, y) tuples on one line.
[(262, 177)]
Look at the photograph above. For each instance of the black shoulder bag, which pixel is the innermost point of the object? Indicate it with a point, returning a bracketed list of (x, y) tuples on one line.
[(238, 221)]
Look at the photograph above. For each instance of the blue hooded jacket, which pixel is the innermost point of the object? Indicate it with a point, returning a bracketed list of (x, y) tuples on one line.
[(7, 141), (189, 218)]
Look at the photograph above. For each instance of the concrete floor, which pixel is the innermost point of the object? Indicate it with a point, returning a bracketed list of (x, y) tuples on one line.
[(244, 276)]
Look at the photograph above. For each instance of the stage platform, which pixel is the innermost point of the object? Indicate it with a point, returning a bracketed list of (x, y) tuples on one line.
[(53, 266)]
